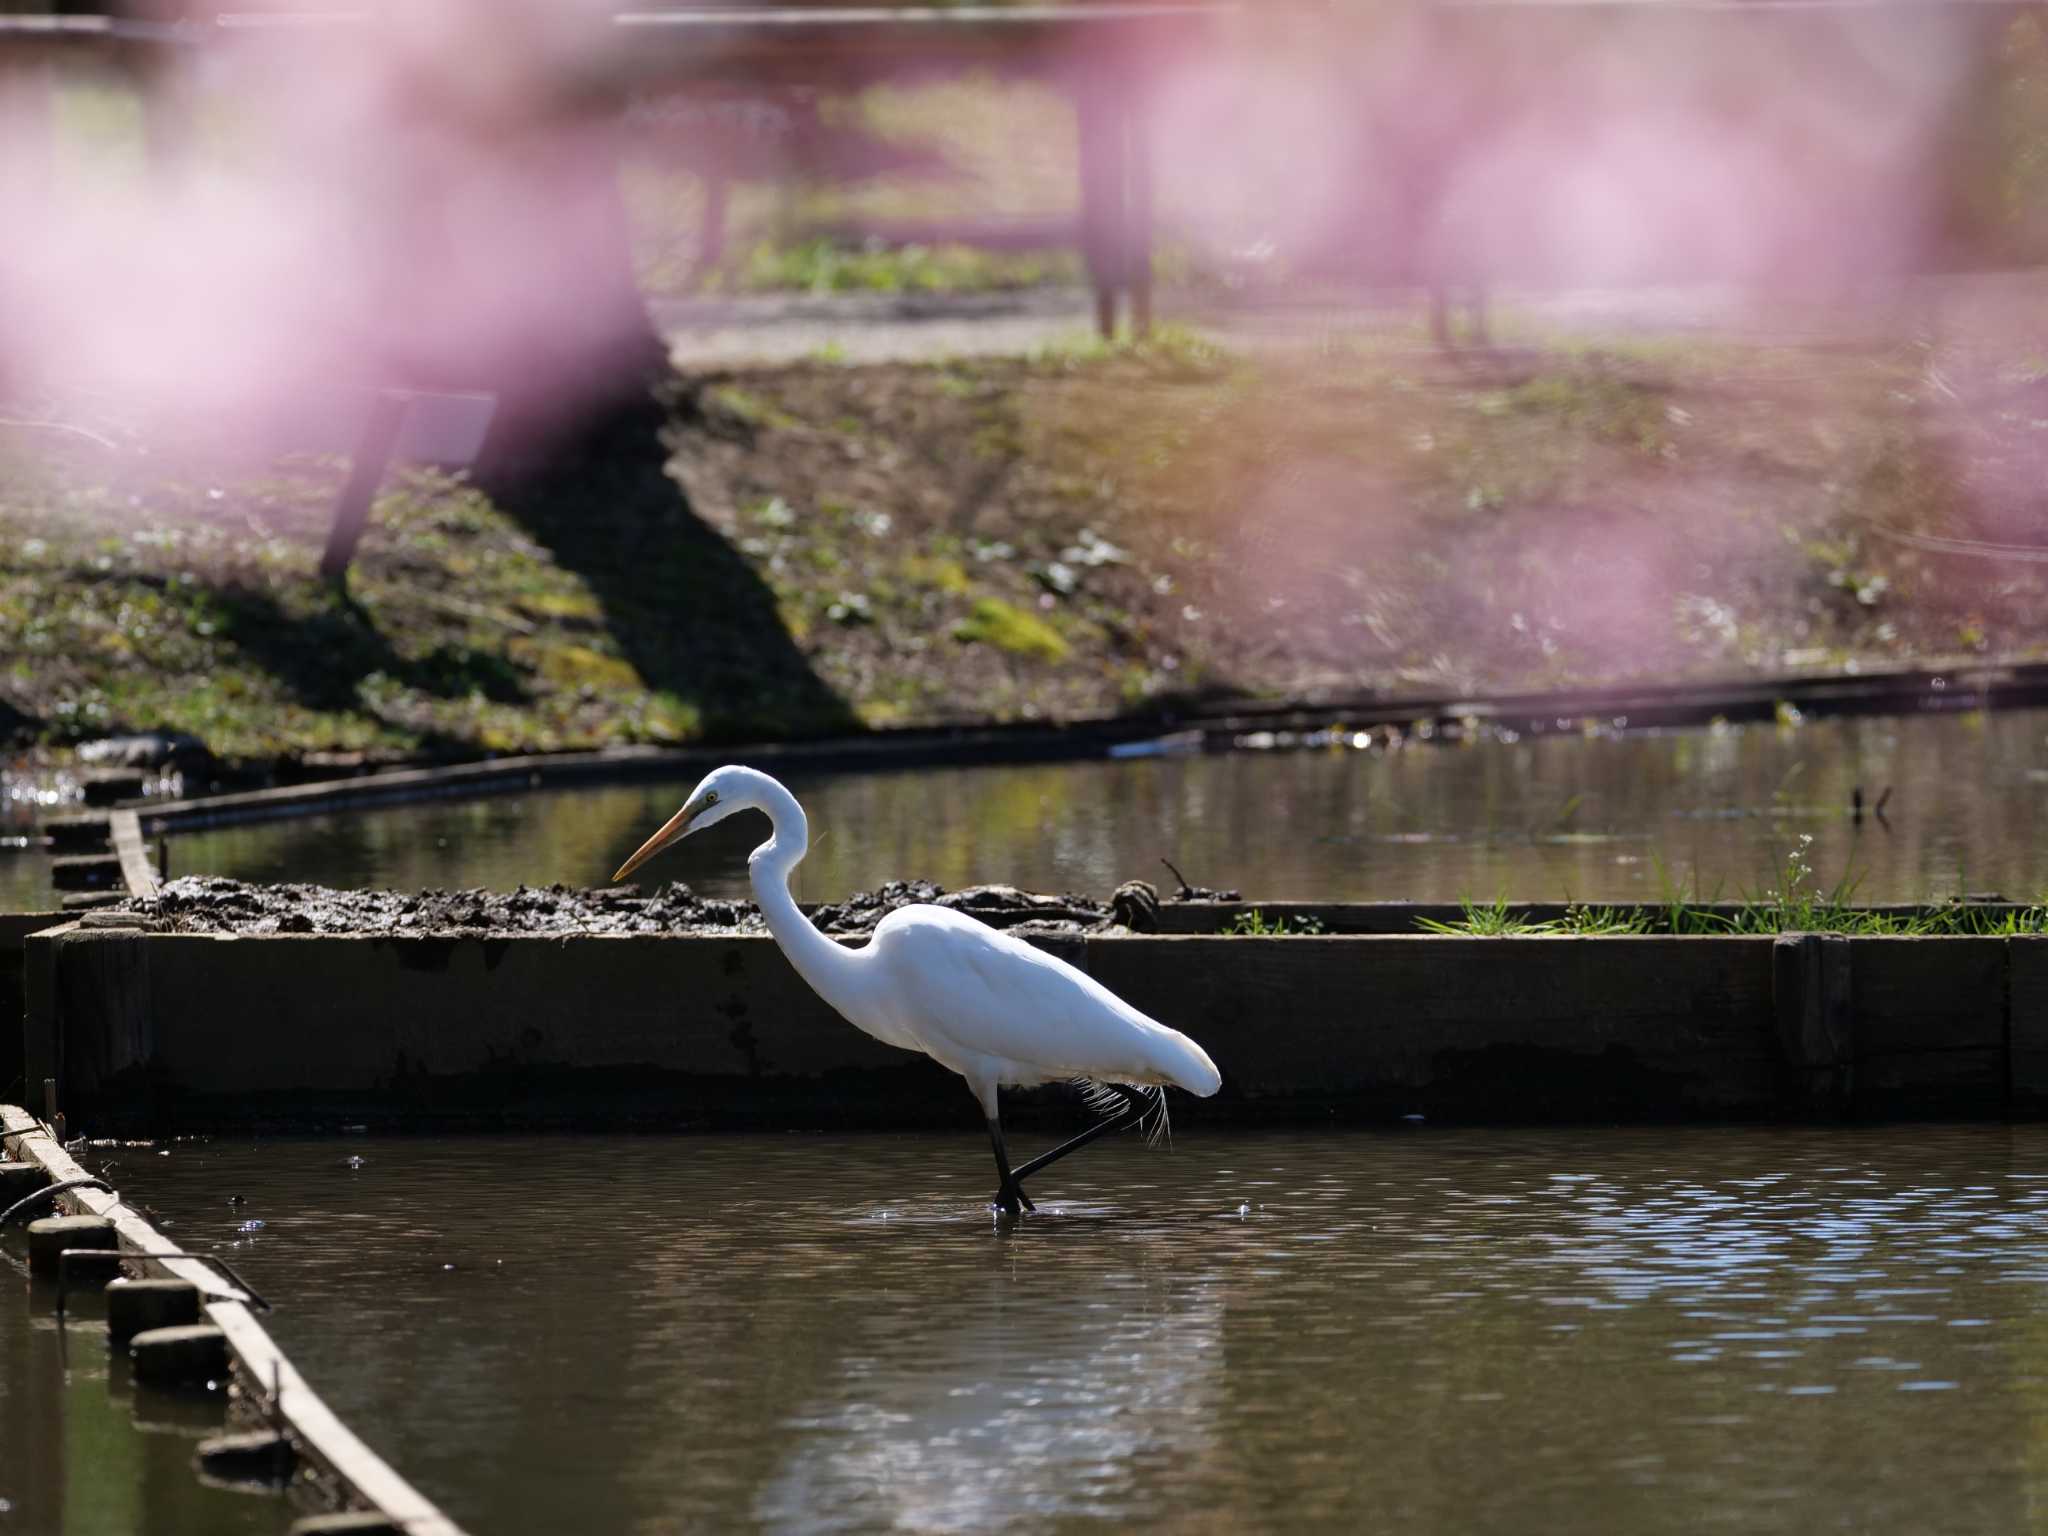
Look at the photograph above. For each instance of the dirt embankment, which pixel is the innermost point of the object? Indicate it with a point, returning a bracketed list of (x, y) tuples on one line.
[(1091, 531)]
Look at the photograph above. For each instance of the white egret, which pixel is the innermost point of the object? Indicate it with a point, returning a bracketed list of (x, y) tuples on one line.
[(982, 1002)]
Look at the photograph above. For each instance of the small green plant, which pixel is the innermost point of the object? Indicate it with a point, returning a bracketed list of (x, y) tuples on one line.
[(1606, 922), (750, 408), (1483, 921), (1256, 925), (1010, 628)]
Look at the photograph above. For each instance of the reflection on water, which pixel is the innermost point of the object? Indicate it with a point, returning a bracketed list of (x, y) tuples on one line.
[(82, 1452), (938, 1421), (1492, 1330), (1543, 818)]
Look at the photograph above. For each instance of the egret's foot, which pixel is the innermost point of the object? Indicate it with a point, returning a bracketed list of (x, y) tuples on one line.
[(1011, 1199)]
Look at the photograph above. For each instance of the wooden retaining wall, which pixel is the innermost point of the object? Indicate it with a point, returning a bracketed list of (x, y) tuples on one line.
[(14, 931), (167, 1032)]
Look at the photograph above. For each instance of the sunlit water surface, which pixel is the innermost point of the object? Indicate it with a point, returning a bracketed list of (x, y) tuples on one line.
[(1541, 818), (1659, 1330)]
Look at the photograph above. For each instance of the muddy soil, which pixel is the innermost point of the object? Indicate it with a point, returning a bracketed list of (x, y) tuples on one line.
[(210, 904)]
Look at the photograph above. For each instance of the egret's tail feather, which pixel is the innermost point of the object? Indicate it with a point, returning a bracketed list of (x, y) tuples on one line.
[(1161, 1128), (1100, 1097), (1110, 1101)]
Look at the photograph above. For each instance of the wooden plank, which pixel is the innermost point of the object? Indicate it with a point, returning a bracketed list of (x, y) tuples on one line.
[(717, 1031), (720, 1030), (264, 1365), (89, 901), (1930, 1026), (110, 786), (1681, 1022), (2027, 1024), (1811, 997), (1515, 1028), (73, 834), (103, 997), (42, 1035), (135, 868), (85, 872), (15, 927)]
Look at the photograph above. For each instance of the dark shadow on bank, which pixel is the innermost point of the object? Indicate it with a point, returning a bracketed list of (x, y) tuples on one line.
[(322, 658), (688, 612), (16, 725)]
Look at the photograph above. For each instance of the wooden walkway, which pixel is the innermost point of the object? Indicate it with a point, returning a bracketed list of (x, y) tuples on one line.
[(266, 1376)]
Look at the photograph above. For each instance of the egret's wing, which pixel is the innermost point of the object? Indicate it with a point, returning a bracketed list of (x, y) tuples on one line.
[(973, 991)]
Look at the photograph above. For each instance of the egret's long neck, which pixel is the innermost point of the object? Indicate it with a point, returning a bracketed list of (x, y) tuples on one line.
[(830, 969)]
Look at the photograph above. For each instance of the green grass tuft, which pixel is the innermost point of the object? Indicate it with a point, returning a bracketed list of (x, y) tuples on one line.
[(1010, 628), (1256, 925)]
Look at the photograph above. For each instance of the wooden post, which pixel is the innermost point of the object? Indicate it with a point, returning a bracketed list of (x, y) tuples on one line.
[(108, 1023), (164, 78), (42, 1041), (1138, 210), (1102, 146), (2027, 1024), (1810, 994), (27, 137), (1116, 186), (365, 474), (711, 227)]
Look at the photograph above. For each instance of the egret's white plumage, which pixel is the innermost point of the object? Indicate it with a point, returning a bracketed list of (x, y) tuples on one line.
[(989, 1006)]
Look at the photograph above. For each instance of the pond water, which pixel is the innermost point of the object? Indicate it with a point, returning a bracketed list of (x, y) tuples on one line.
[(1658, 1330), (82, 1451), (1602, 818)]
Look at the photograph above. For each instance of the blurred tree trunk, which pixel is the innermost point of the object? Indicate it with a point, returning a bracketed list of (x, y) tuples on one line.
[(581, 385)]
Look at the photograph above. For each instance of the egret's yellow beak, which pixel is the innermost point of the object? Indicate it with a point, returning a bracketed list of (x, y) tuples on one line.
[(676, 828)]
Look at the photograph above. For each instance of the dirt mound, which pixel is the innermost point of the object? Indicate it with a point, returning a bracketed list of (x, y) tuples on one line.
[(210, 904)]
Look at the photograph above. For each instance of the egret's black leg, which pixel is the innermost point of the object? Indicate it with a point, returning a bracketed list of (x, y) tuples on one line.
[(1010, 1196), (1137, 1104)]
